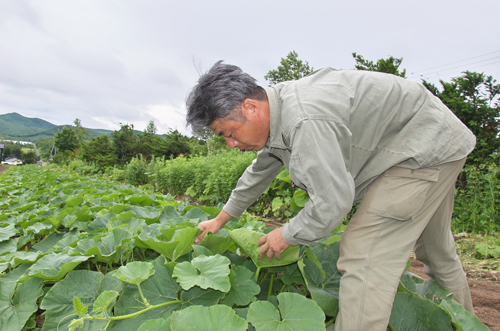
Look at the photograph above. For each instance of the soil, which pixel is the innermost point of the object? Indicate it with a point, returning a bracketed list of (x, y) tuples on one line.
[(2, 168), (484, 290)]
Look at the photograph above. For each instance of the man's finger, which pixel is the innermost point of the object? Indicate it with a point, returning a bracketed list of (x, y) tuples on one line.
[(278, 255), (263, 249), (201, 236), (270, 254), (262, 240)]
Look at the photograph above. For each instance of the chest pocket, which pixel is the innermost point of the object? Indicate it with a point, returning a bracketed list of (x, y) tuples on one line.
[(400, 193)]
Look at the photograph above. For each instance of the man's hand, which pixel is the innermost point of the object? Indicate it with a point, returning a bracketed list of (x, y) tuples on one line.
[(213, 225), (272, 243)]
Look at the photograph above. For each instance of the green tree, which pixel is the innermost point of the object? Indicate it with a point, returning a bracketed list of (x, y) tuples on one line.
[(389, 65), (291, 68), (30, 157), (124, 143), (172, 145), (473, 97), (81, 132), (12, 150), (66, 140), (100, 150)]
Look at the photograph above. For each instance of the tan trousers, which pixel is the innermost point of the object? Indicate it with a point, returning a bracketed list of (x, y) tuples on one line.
[(402, 211)]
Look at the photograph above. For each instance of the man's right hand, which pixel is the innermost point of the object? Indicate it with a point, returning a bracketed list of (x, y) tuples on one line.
[(213, 225)]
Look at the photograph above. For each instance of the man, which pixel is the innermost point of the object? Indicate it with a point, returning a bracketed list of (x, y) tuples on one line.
[(345, 137)]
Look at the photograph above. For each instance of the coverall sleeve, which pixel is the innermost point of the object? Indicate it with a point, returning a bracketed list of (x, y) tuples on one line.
[(320, 161), (254, 181)]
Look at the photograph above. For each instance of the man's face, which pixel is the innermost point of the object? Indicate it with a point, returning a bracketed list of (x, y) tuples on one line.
[(248, 134)]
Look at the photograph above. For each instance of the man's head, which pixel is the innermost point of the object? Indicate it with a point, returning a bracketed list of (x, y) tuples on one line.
[(230, 103)]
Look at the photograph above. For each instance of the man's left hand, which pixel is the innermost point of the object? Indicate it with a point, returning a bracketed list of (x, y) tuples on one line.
[(272, 243)]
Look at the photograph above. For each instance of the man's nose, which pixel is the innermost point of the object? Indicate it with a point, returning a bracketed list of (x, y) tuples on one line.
[(232, 143)]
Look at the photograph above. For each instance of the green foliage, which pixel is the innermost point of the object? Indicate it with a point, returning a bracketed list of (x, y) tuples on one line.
[(473, 97), (60, 232), (209, 179), (291, 68), (12, 150), (389, 65), (295, 313), (124, 142), (100, 151), (66, 140), (136, 171), (476, 203)]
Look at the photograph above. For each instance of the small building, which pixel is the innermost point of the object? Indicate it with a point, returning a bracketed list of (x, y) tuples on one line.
[(12, 161)]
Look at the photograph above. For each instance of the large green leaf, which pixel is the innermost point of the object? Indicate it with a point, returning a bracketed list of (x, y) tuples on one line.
[(53, 266), (296, 312), (169, 212), (148, 213), (462, 319), (205, 272), (18, 302), (432, 291), (199, 296), (83, 284), (323, 282), (247, 240), (7, 232), (157, 289), (243, 287), (110, 248), (158, 324), (215, 318), (219, 242), (411, 312), (8, 246), (168, 242), (47, 245), (135, 272)]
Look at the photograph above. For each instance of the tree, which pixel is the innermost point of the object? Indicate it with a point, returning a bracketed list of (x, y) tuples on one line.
[(291, 68), (66, 140), (389, 65), (81, 132), (30, 157), (12, 150), (100, 150), (473, 98), (151, 128), (172, 145), (124, 143)]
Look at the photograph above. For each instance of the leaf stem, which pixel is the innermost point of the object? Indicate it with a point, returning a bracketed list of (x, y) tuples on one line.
[(329, 322), (144, 300), (257, 274), (270, 287), (137, 313)]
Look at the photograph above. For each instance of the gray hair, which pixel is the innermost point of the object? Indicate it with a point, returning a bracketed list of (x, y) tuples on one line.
[(219, 95)]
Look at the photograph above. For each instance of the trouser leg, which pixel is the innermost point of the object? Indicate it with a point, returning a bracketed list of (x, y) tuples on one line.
[(441, 261), (380, 238)]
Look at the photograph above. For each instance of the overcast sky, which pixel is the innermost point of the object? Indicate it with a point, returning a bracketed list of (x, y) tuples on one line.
[(108, 62)]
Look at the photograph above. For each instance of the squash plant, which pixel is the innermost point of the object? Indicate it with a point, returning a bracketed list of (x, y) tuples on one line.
[(90, 254)]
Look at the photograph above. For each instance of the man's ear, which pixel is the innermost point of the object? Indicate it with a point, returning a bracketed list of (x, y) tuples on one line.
[(250, 107)]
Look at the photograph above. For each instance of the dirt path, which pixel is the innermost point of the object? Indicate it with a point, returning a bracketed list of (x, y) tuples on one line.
[(3, 168), (485, 292)]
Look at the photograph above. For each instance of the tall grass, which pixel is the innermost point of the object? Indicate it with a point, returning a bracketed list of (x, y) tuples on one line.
[(477, 204)]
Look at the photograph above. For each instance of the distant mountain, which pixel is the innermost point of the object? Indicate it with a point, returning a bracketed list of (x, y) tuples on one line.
[(14, 126)]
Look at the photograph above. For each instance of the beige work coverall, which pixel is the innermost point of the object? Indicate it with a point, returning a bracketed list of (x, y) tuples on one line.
[(378, 139)]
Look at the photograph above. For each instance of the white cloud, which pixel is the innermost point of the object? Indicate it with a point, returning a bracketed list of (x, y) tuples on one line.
[(124, 61)]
